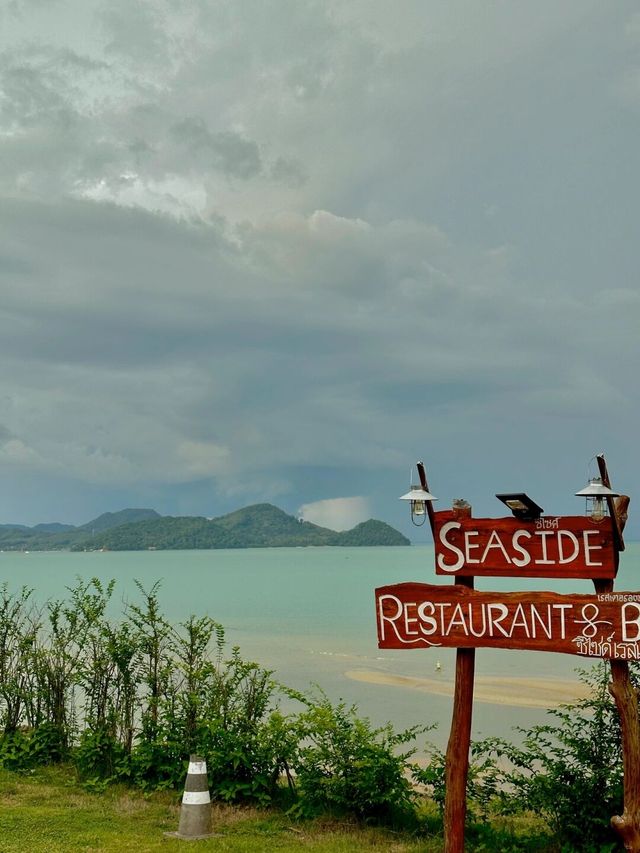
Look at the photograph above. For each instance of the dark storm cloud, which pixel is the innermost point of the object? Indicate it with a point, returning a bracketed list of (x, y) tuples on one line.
[(224, 150), (246, 242)]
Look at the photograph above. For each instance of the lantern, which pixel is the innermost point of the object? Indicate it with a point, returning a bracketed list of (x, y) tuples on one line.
[(418, 498), (595, 495)]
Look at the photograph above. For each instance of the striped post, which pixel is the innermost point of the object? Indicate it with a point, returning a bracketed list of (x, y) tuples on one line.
[(195, 813)]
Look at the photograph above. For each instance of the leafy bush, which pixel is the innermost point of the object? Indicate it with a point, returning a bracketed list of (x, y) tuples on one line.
[(99, 756), (483, 780), (247, 743), (18, 629), (344, 765), (570, 772), (26, 748), (157, 764)]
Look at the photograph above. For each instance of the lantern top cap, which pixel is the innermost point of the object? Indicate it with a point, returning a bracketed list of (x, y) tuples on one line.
[(596, 489), (417, 493)]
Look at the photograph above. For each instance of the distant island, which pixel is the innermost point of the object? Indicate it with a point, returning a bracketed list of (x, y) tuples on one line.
[(258, 526)]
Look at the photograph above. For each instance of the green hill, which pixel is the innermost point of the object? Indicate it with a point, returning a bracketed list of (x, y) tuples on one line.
[(53, 527), (60, 537), (257, 526), (372, 532), (114, 519)]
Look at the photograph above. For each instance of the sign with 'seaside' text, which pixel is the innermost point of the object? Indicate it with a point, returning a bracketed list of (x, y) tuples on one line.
[(415, 615), (550, 546)]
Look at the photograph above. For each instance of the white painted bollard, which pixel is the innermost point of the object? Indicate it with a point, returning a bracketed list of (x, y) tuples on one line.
[(195, 812)]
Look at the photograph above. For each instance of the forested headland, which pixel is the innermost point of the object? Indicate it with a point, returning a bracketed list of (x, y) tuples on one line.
[(258, 526)]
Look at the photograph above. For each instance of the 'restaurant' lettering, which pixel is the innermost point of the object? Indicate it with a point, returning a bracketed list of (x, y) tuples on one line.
[(415, 616), (479, 619)]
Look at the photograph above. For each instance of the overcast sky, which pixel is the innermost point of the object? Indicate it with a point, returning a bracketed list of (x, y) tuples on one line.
[(278, 250)]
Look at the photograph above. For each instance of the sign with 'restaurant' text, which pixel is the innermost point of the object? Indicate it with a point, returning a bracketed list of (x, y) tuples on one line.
[(416, 615), (550, 546)]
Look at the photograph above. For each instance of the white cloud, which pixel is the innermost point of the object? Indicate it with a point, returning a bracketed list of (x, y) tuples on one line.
[(15, 451), (336, 513)]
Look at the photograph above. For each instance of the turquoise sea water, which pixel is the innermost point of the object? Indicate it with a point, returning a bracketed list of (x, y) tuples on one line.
[(308, 613)]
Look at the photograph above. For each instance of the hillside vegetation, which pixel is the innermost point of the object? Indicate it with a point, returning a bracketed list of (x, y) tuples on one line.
[(257, 526), (62, 537), (118, 703)]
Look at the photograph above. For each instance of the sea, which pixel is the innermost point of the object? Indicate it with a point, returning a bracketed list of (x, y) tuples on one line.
[(308, 614)]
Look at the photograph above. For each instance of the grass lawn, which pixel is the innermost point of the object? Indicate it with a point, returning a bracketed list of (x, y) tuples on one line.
[(48, 812)]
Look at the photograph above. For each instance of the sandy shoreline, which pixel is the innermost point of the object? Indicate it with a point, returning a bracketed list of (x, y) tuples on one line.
[(495, 690)]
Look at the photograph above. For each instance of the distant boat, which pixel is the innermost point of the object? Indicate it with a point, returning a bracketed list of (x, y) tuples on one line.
[(438, 666)]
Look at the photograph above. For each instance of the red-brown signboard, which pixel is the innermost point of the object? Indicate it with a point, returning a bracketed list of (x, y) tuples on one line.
[(416, 615), (550, 546)]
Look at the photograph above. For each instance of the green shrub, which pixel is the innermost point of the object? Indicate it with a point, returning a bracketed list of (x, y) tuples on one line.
[(569, 772), (245, 763), (157, 764), (26, 748), (483, 780), (99, 756), (344, 765), (15, 751)]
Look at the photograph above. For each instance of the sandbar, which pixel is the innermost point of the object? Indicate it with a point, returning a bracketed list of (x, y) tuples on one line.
[(495, 690)]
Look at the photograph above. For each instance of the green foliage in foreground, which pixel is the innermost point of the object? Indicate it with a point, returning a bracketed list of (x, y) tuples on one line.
[(342, 764), (129, 701), (47, 811), (126, 702), (569, 772)]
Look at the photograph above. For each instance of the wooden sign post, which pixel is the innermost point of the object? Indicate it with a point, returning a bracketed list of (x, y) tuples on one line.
[(627, 825), (605, 624)]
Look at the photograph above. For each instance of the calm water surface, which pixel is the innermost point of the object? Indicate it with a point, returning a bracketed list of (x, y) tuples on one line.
[(308, 613)]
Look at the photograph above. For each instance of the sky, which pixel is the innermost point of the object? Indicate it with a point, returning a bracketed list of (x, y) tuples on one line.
[(280, 250)]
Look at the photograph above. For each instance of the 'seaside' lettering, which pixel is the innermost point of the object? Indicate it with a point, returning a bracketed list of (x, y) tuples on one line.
[(521, 548)]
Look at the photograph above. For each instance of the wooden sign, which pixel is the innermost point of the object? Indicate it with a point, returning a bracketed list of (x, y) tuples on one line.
[(550, 546), (416, 615)]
